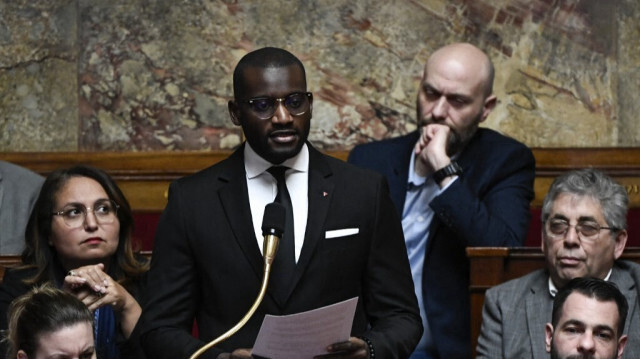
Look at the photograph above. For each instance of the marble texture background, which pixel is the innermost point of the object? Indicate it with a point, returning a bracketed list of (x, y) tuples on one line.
[(155, 75)]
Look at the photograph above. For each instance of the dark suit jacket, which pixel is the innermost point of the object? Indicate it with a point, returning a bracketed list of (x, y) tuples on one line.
[(207, 264), (515, 313), (486, 206)]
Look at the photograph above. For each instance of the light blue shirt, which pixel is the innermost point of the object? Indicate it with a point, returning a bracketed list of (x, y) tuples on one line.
[(416, 219)]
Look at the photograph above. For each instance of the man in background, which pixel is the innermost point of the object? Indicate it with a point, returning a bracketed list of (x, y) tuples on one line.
[(584, 217), (455, 185), (587, 321), (19, 188)]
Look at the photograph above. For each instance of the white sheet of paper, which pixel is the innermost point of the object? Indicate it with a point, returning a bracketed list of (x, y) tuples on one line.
[(307, 334)]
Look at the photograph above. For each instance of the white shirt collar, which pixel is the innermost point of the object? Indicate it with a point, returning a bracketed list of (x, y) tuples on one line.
[(256, 165)]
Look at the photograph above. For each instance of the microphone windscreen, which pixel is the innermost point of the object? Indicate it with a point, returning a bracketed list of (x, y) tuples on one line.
[(273, 219)]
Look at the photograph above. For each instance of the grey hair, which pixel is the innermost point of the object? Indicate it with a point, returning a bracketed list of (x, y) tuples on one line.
[(592, 183)]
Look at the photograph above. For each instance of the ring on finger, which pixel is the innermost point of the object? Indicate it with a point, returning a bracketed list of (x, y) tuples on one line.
[(72, 273)]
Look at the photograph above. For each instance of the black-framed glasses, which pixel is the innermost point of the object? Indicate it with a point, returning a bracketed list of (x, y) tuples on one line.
[(587, 230), (74, 215), (297, 103)]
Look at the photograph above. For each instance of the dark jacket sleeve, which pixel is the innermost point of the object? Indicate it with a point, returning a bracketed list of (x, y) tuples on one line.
[(170, 300), (489, 205), (131, 348), (11, 288), (390, 301)]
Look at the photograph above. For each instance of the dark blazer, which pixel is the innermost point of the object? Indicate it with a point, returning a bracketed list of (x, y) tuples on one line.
[(207, 265), (488, 205), (13, 286), (515, 313)]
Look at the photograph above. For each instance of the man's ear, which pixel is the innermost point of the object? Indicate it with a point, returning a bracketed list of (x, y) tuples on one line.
[(22, 355), (621, 343), (489, 103), (548, 336), (621, 242), (234, 112)]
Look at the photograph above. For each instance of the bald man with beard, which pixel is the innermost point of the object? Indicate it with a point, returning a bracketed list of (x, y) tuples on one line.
[(455, 185)]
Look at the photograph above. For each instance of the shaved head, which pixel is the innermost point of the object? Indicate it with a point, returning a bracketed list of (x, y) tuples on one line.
[(465, 60)]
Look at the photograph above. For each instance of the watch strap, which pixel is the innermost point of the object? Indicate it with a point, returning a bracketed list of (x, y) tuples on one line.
[(452, 169)]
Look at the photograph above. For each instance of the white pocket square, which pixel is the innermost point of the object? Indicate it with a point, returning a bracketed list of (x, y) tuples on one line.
[(341, 232)]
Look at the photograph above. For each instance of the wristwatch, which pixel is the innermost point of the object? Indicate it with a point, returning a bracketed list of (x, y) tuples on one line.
[(451, 169)]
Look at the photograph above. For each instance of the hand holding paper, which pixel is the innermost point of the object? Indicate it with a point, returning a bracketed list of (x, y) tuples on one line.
[(305, 335)]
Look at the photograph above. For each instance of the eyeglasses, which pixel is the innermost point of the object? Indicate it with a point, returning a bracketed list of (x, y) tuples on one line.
[(587, 230), (105, 211), (297, 104)]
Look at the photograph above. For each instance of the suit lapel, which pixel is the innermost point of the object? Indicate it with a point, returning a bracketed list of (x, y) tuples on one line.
[(538, 314), (398, 159), (627, 286), (234, 198)]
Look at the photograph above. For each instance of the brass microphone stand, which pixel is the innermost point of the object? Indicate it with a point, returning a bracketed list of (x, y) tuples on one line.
[(270, 248)]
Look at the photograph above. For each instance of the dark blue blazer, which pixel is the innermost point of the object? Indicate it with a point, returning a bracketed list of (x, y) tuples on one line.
[(487, 206)]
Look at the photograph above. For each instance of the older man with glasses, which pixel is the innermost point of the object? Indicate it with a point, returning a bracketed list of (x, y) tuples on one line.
[(584, 233)]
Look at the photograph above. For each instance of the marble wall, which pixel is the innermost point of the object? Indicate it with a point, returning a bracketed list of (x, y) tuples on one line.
[(155, 75)]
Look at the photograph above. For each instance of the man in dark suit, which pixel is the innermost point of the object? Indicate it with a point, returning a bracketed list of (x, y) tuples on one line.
[(455, 185), (207, 262), (584, 233)]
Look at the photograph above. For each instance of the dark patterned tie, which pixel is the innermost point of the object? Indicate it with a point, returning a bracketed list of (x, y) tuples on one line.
[(285, 262)]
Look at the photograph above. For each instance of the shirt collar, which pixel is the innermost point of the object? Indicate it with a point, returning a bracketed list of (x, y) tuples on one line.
[(553, 290), (414, 180), (256, 165)]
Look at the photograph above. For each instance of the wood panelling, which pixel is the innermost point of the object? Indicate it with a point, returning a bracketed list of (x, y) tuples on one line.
[(145, 176)]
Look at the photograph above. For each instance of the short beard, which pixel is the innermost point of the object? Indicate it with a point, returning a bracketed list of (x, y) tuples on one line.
[(456, 141), (555, 355)]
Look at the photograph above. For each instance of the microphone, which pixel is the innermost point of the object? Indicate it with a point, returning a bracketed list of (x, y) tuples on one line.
[(272, 229)]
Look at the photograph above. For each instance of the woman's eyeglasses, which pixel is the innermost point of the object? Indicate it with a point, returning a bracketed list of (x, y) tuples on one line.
[(74, 215)]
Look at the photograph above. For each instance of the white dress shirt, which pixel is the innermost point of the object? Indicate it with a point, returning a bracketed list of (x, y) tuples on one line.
[(263, 189)]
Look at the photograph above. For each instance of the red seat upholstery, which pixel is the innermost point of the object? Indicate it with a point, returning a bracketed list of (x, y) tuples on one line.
[(144, 230), (146, 222)]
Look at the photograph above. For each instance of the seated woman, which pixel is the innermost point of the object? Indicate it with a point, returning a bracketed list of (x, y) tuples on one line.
[(79, 238), (47, 322)]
